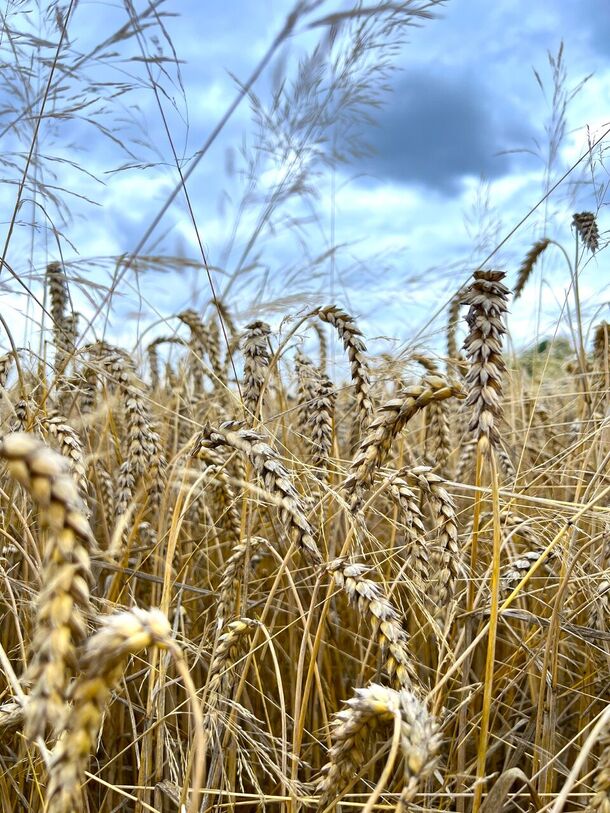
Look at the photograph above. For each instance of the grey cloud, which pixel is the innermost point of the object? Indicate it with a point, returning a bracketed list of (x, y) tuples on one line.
[(437, 129)]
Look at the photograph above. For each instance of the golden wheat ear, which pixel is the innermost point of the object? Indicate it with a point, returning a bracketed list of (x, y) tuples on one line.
[(527, 266), (354, 346), (63, 603), (101, 663), (257, 356), (487, 299), (355, 725)]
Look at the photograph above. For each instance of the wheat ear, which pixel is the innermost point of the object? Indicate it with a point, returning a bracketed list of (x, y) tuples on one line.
[(586, 226), (268, 465), (198, 345), (231, 576), (255, 348), (487, 298), (446, 559), (144, 460), (307, 379), (321, 418), (355, 348), (372, 603), (63, 603), (527, 266), (390, 419), (70, 446), (416, 553), (102, 664), (370, 707)]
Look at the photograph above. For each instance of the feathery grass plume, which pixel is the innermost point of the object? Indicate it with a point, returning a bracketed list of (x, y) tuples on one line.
[(372, 603), (231, 576), (102, 664), (447, 558), (321, 418), (255, 349), (198, 345), (63, 602), (267, 463), (416, 549), (586, 228), (527, 266), (354, 725), (390, 419), (355, 348), (487, 298)]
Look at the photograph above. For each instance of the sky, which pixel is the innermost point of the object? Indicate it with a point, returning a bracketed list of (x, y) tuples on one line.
[(433, 175)]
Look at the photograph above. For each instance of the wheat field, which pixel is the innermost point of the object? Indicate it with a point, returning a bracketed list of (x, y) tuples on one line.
[(248, 567)]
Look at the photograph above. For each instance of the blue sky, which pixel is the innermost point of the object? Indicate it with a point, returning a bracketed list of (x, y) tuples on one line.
[(458, 157)]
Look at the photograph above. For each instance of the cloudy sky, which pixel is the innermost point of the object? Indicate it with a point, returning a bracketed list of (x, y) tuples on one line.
[(461, 149)]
